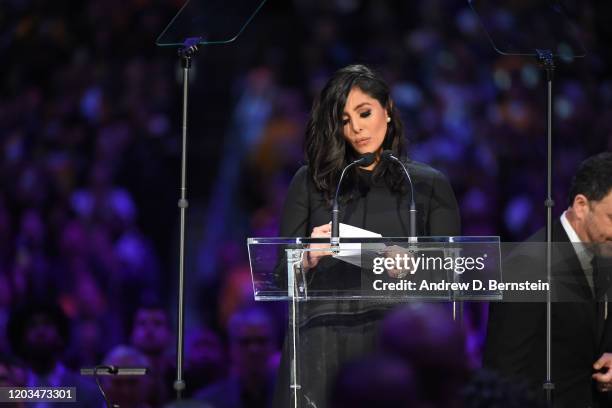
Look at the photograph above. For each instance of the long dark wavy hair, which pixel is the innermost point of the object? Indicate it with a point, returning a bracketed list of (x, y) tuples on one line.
[(327, 153)]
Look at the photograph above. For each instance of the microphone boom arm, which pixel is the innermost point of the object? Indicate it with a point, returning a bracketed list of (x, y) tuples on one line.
[(412, 212)]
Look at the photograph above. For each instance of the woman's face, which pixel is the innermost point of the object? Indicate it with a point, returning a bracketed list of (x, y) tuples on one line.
[(364, 122)]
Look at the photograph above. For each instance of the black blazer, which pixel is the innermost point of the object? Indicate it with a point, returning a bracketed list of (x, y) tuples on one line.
[(515, 345)]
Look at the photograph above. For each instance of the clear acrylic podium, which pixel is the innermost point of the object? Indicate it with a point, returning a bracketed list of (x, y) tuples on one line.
[(362, 277)]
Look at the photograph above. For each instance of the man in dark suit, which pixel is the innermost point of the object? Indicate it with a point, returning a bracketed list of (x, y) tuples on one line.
[(581, 340)]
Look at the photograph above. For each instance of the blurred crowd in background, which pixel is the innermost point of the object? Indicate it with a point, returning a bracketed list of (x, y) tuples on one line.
[(90, 164)]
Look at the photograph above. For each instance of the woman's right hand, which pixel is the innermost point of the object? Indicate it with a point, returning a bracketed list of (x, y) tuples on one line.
[(312, 257)]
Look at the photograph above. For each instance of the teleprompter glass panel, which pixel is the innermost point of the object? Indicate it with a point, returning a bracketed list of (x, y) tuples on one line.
[(517, 27), (209, 22)]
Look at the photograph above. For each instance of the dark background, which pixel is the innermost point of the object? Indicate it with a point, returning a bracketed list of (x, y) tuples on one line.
[(90, 141)]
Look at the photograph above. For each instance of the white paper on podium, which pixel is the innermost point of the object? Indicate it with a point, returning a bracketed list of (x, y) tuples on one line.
[(351, 253)]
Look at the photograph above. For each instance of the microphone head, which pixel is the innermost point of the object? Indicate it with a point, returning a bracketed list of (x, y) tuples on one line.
[(367, 159), (387, 155)]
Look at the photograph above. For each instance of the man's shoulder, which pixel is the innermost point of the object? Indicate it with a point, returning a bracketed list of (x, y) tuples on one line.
[(558, 233)]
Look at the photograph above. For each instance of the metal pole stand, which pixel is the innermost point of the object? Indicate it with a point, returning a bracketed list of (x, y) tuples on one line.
[(546, 60), (190, 48)]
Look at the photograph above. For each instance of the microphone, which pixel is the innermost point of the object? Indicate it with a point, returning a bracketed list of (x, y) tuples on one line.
[(388, 155), (364, 161)]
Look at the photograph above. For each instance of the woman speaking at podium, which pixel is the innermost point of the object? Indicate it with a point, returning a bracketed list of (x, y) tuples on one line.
[(353, 116)]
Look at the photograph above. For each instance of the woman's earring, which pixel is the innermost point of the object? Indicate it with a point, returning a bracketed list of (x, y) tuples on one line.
[(388, 119)]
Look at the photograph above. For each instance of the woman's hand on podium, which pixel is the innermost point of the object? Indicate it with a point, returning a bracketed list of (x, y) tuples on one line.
[(312, 257), (404, 267)]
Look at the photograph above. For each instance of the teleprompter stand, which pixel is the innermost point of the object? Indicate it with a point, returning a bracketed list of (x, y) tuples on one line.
[(537, 29), (198, 23)]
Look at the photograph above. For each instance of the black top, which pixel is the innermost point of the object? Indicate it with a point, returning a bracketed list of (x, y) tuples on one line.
[(377, 208)]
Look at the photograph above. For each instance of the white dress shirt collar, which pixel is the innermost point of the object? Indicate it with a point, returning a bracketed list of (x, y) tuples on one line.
[(584, 255)]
